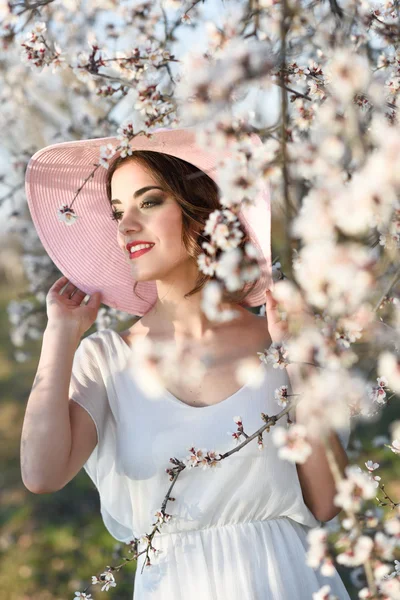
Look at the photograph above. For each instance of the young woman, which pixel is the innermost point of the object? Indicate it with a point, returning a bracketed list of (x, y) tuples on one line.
[(238, 531)]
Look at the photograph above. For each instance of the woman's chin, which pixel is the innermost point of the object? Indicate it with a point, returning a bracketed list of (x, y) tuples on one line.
[(143, 275)]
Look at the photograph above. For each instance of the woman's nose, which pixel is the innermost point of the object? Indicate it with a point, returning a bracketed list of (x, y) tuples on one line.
[(127, 224)]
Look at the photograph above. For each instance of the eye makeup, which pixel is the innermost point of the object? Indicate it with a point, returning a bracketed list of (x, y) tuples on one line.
[(116, 215)]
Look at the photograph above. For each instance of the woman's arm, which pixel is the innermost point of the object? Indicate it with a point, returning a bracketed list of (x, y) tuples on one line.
[(317, 483), (46, 430), (315, 476)]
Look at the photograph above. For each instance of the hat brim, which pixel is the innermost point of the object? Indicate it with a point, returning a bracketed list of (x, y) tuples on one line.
[(87, 252)]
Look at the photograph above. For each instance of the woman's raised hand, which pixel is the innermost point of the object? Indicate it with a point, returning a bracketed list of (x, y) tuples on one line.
[(67, 309), (278, 329)]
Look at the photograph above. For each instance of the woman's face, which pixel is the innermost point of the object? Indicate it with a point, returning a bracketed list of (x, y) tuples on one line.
[(152, 216)]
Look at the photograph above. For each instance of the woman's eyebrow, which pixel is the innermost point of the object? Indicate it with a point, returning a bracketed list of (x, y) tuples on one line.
[(140, 192)]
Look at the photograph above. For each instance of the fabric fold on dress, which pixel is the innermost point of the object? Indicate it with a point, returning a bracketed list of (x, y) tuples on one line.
[(87, 388)]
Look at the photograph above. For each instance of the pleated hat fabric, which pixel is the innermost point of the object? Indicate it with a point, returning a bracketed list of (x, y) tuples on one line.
[(87, 252)]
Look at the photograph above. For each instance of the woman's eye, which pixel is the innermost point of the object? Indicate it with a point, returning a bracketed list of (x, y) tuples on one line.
[(149, 202), (117, 214)]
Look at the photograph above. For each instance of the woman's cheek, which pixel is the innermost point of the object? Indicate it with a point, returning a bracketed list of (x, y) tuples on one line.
[(169, 229)]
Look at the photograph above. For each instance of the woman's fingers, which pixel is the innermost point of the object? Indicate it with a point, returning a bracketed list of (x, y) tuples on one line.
[(60, 283), (270, 300), (271, 304), (94, 300), (304, 312), (69, 289), (79, 293)]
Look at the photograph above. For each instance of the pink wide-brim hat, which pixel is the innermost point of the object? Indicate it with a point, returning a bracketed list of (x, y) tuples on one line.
[(87, 252)]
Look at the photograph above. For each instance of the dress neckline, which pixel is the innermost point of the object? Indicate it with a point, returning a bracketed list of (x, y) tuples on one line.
[(176, 400), (244, 387)]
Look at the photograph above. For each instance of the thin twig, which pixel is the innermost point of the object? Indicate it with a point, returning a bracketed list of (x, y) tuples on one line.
[(287, 251), (337, 476), (392, 282)]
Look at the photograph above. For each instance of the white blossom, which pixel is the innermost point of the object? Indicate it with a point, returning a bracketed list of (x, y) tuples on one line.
[(392, 526), (106, 153), (106, 578), (324, 594), (327, 400), (385, 545), (347, 73), (281, 395), (391, 587), (292, 443), (354, 489), (276, 354), (317, 553), (389, 366), (371, 466), (342, 287), (201, 458), (358, 554), (394, 446), (66, 215)]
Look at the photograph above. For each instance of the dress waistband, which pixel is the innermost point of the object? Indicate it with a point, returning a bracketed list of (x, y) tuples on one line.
[(164, 532)]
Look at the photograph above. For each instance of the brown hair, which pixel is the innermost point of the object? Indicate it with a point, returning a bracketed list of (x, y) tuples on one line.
[(197, 195)]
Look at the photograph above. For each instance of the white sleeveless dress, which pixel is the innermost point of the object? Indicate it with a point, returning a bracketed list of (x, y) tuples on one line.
[(239, 530)]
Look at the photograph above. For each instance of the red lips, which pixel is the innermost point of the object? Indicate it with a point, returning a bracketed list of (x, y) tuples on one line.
[(129, 246)]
